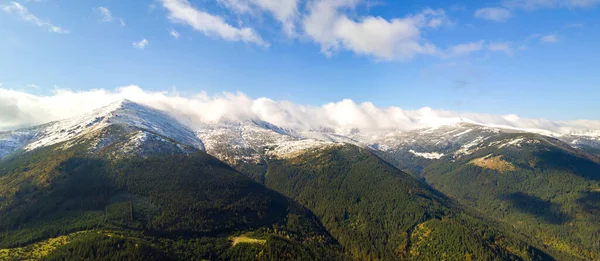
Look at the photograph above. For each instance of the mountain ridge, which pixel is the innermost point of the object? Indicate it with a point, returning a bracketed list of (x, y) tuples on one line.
[(124, 112)]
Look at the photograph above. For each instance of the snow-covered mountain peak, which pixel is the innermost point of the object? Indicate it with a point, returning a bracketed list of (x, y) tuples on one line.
[(124, 112)]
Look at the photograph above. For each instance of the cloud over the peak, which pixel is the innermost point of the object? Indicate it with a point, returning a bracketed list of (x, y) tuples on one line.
[(181, 11), (20, 109)]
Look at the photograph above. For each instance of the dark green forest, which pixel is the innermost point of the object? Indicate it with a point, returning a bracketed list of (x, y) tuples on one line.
[(338, 203), (377, 212), (552, 195), (180, 207)]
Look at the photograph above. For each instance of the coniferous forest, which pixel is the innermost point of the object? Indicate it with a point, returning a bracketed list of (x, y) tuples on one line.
[(340, 202)]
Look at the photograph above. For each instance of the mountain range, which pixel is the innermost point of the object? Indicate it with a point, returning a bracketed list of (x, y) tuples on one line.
[(127, 181)]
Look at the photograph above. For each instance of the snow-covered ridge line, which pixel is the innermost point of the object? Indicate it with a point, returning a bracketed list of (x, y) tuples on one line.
[(253, 139), (124, 112), (294, 148)]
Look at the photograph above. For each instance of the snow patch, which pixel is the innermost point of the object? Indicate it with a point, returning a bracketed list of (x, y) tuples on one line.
[(470, 147), (294, 148), (427, 155), (462, 133)]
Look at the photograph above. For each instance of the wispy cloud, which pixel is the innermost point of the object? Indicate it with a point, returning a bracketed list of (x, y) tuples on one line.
[(174, 33), (181, 11), (141, 44), (22, 109), (394, 39), (505, 47), (464, 49), (494, 14), (481, 45), (551, 38), (285, 11), (22, 12), (105, 13), (107, 16), (538, 4)]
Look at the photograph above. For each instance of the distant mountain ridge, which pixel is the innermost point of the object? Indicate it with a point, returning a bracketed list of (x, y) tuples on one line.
[(249, 135)]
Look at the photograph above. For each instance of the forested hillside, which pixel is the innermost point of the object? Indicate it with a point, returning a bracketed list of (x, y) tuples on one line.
[(171, 206), (377, 212), (546, 189)]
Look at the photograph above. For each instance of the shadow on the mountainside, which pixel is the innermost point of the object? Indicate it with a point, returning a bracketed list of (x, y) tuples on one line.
[(590, 203), (562, 160), (547, 211)]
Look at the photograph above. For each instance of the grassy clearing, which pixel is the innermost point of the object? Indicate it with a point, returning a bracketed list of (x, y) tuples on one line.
[(247, 240), (33, 251), (494, 163)]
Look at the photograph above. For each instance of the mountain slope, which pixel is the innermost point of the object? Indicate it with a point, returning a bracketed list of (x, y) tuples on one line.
[(248, 145), (157, 192), (412, 150), (537, 184), (544, 190), (124, 113), (377, 212)]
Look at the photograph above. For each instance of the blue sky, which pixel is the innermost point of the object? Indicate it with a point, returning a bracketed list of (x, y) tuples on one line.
[(534, 58)]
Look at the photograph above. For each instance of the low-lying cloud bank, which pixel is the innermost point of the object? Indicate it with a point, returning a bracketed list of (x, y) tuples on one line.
[(19, 109)]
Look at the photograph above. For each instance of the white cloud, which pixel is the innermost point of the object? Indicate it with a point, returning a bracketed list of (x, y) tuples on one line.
[(285, 11), (104, 13), (464, 49), (20, 109), (538, 4), (493, 14), (20, 10), (549, 38), (141, 44), (395, 39), (174, 33), (107, 16), (501, 47), (181, 11)]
